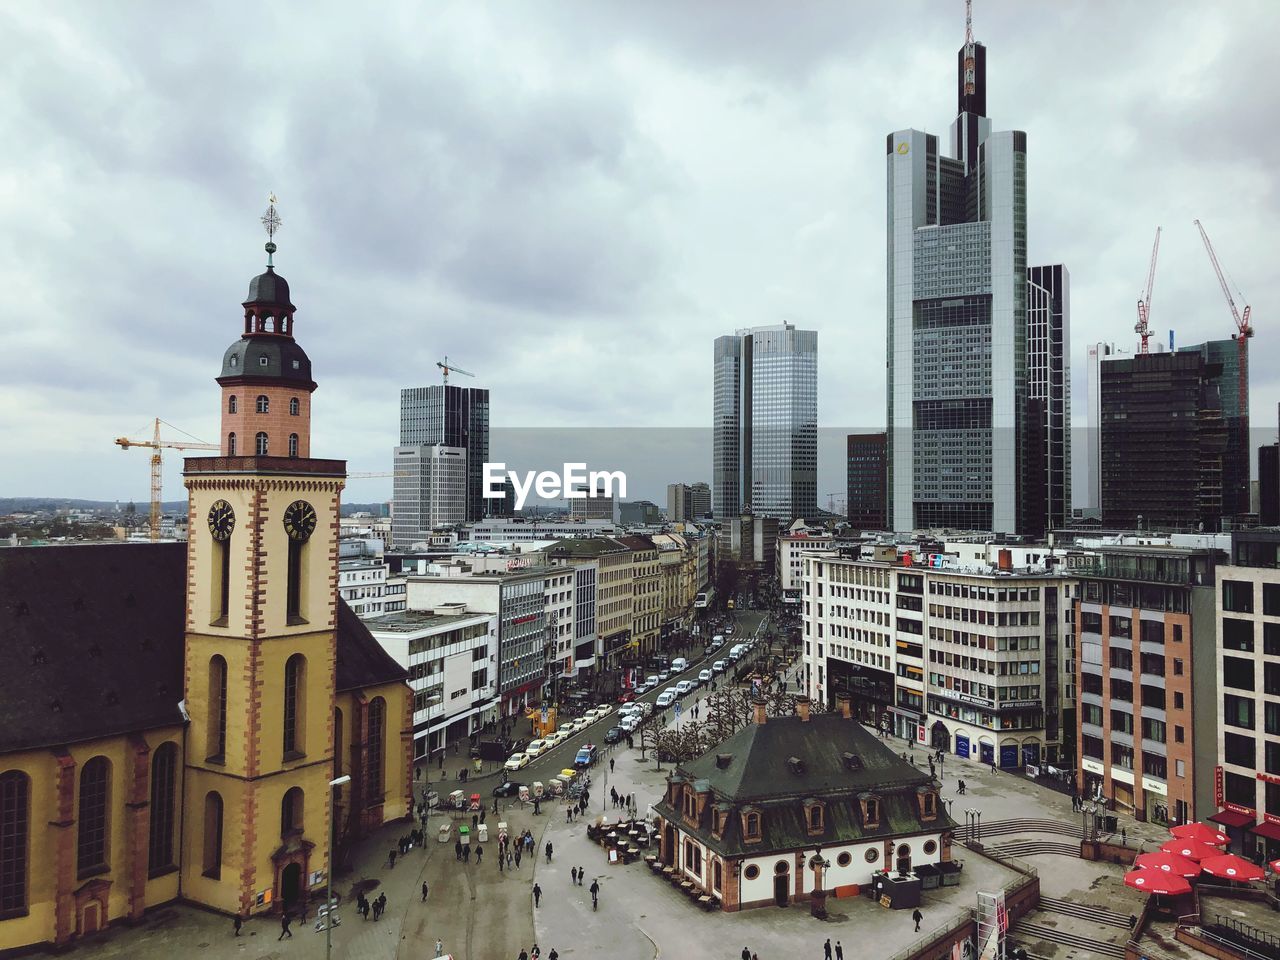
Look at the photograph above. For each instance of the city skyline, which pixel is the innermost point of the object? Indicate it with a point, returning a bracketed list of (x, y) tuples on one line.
[(651, 131)]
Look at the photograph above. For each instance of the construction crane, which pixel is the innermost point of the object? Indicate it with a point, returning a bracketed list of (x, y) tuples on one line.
[(970, 58), (1142, 327), (448, 368), (157, 465), (1244, 330)]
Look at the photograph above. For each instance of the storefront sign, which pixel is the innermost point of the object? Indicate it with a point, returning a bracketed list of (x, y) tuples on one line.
[(1268, 778), (1236, 808), (1217, 786)]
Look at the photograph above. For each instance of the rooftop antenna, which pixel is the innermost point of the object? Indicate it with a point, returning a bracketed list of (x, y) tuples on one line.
[(271, 222), (970, 60)]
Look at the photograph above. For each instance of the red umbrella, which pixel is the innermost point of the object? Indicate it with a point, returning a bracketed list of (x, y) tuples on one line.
[(1201, 833), (1190, 849), (1168, 862), (1230, 867), (1156, 881), (1275, 866)]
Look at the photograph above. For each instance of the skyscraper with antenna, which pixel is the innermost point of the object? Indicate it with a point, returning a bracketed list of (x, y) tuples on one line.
[(961, 453)]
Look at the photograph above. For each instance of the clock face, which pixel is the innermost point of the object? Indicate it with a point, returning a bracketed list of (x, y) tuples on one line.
[(222, 520), (299, 520)]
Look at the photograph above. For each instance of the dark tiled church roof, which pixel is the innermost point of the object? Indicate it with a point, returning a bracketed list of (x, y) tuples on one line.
[(91, 642)]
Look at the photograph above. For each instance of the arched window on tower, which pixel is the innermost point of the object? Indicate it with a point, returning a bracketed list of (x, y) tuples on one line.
[(295, 706), (216, 746), (15, 827), (293, 406), (231, 403), (260, 444), (231, 444), (211, 862), (293, 444), (377, 747), (264, 403), (94, 818), (164, 766), (291, 812)]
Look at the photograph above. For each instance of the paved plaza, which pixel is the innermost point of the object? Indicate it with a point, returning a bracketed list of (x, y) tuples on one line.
[(478, 912)]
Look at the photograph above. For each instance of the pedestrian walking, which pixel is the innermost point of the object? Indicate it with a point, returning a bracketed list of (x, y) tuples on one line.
[(439, 947), (382, 904), (517, 858), (553, 955), (1124, 837), (839, 951), (285, 920), (595, 894), (573, 876), (466, 854), (581, 873), (826, 949), (424, 891), (537, 895), (391, 857), (479, 854), (917, 916), (237, 923), (501, 859), (611, 764), (548, 851), (746, 954), (457, 850)]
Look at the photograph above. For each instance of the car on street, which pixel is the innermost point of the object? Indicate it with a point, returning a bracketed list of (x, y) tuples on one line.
[(626, 696), (629, 723), (587, 754), (537, 748), (517, 761), (718, 667), (642, 689), (665, 698), (508, 789), (664, 676), (646, 709), (555, 738), (685, 687), (603, 710), (613, 735), (704, 676)]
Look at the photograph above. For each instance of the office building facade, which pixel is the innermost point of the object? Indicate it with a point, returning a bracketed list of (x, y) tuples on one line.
[(1089, 499), (765, 423), (867, 459), (1163, 440), (1247, 776), (957, 319), (679, 502), (429, 490), (1222, 360), (455, 417), (1046, 493)]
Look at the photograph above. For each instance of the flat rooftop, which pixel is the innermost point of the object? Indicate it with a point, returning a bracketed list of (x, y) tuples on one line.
[(411, 621)]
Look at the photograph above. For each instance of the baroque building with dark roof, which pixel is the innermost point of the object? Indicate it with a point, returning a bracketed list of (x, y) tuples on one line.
[(744, 822)]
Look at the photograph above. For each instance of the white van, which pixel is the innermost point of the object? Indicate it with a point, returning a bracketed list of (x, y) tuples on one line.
[(704, 676), (665, 699), (652, 680), (679, 665), (718, 666), (685, 687), (735, 653)]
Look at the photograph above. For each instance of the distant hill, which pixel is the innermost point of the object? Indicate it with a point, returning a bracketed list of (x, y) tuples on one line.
[(33, 504)]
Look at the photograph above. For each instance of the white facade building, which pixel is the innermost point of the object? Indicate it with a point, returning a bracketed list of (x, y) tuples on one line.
[(430, 488)]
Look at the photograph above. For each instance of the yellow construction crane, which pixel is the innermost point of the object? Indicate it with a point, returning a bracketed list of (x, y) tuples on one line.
[(157, 464)]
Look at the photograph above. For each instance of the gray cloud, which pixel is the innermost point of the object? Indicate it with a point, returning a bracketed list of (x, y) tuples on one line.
[(572, 201)]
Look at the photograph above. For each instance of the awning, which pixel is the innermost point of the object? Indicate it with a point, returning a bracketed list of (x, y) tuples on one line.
[(1230, 818), (1268, 829)]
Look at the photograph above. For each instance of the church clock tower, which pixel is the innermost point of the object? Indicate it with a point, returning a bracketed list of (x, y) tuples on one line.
[(261, 640)]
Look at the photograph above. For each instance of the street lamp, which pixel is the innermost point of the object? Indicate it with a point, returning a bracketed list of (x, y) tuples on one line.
[(328, 894)]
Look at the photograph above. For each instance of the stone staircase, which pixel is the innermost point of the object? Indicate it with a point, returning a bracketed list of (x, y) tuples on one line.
[(1031, 848), (1000, 828), (1027, 929)]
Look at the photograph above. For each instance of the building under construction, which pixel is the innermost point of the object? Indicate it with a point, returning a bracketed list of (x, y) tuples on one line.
[(1165, 439)]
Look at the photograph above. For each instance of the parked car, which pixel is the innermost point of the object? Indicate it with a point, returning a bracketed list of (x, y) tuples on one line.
[(646, 709), (685, 687), (517, 761), (665, 699), (718, 667), (626, 696), (642, 689), (603, 710), (630, 723), (537, 748), (704, 676), (664, 676), (613, 735), (555, 738), (508, 789), (679, 665), (586, 755)]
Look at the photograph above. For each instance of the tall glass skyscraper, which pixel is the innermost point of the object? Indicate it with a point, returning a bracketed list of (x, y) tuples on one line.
[(765, 423), (455, 417), (957, 318)]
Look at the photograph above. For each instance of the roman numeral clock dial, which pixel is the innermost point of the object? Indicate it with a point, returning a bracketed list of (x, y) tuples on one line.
[(299, 520), (222, 520)]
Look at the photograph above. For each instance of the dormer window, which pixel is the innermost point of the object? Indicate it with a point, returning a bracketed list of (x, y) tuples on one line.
[(870, 810), (751, 826), (813, 817), (928, 803)]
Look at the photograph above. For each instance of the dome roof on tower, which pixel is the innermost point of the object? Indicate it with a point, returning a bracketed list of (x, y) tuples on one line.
[(269, 288), (265, 359)]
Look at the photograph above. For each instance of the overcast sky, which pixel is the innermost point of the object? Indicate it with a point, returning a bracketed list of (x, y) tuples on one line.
[(572, 200)]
